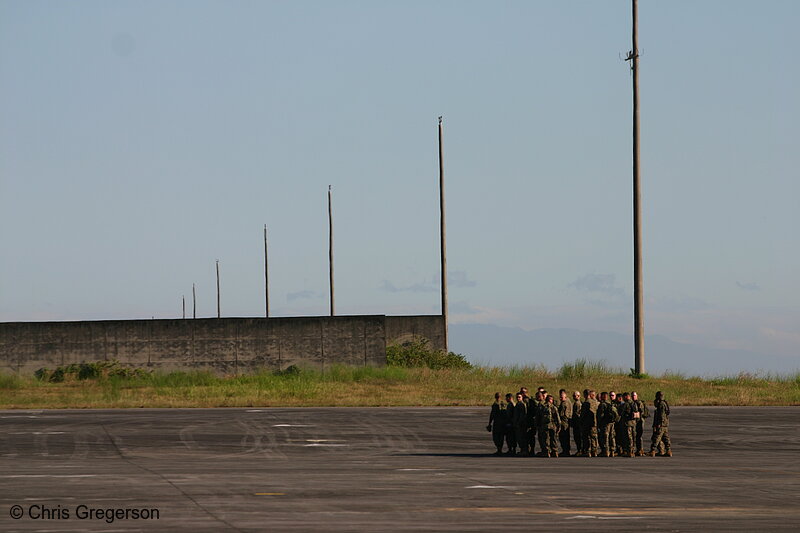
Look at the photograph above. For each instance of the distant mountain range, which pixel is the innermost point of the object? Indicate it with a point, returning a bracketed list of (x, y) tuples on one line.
[(500, 346)]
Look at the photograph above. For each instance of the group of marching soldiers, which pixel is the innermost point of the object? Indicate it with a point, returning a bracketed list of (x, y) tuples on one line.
[(610, 426)]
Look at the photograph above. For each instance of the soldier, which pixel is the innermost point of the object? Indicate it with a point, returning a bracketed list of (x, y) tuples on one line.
[(550, 423), (520, 422), (645, 413), (511, 438), (660, 426), (530, 410), (589, 425), (575, 421), (497, 423), (564, 415), (539, 425), (612, 430), (606, 415), (629, 415), (619, 426)]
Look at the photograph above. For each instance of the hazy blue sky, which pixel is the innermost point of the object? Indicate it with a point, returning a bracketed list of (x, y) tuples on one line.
[(142, 140)]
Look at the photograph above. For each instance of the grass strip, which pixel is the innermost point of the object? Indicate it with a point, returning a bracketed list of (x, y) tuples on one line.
[(345, 386)]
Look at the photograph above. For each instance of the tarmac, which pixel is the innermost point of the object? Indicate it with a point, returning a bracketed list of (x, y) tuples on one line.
[(383, 469)]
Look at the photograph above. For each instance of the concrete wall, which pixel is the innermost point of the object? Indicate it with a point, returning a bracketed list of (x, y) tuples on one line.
[(223, 345), (400, 329)]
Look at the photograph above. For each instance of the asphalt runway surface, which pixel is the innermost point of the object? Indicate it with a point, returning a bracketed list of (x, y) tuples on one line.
[(383, 469)]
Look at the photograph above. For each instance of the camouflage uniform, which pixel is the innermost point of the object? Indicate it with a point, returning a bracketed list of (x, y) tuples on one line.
[(564, 414), (520, 422), (497, 423), (541, 427), (589, 426), (644, 413), (629, 418), (660, 428), (606, 416), (550, 425), (575, 421)]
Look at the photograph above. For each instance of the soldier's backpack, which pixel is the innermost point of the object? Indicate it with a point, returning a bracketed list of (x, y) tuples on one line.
[(614, 413)]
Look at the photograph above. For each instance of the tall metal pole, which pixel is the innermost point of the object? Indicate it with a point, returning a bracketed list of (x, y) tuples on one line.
[(219, 312), (638, 285), (330, 248), (266, 275), (183, 302), (194, 302), (442, 240)]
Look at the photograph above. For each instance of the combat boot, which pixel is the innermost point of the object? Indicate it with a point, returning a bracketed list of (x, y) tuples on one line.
[(668, 453), (652, 453), (640, 453)]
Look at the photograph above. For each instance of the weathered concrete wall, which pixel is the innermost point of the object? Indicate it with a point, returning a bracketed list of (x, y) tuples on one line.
[(400, 329), (224, 344)]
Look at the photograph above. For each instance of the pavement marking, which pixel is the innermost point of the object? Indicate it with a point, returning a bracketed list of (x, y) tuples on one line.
[(489, 487), (292, 425), (788, 472), (592, 517), (601, 514), (49, 475), (37, 433), (416, 469), (270, 494), (325, 440), (323, 444)]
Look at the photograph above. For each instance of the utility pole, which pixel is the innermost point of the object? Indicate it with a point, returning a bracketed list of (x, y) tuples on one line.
[(183, 301), (330, 248), (442, 240), (219, 313), (638, 285), (266, 275), (194, 302)]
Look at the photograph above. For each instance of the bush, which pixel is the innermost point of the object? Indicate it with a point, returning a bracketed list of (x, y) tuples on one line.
[(583, 369), (418, 354), (9, 381), (95, 370)]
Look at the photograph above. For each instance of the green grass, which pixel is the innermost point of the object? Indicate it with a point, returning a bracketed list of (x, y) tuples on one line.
[(381, 386)]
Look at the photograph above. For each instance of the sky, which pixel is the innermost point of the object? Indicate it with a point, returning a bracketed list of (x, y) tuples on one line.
[(141, 141)]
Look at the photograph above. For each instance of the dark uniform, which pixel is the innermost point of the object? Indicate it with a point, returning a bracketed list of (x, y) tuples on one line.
[(660, 427), (589, 426), (511, 437), (564, 415), (530, 406), (520, 422), (619, 426), (497, 423)]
